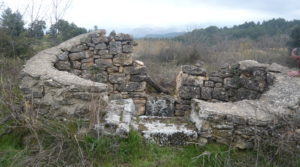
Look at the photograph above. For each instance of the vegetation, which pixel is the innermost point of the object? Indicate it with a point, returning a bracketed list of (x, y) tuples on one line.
[(21, 42), (252, 30), (266, 42)]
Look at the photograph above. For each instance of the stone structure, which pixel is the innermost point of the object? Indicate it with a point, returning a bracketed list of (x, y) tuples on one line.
[(59, 94), (94, 78), (109, 60), (232, 83), (243, 123)]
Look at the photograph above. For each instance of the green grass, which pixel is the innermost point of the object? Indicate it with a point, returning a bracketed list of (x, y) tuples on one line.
[(132, 151)]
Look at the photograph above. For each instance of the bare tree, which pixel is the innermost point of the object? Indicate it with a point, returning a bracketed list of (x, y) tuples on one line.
[(35, 10), (59, 9)]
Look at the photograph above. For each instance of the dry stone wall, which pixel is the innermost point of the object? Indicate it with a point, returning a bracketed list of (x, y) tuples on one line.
[(230, 83), (109, 60), (59, 94)]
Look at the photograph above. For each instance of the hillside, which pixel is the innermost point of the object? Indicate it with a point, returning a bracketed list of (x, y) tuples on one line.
[(252, 30)]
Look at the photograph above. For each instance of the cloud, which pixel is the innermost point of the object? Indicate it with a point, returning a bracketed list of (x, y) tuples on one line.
[(116, 14)]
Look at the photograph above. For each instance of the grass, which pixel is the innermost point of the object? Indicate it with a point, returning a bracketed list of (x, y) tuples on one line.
[(133, 151)]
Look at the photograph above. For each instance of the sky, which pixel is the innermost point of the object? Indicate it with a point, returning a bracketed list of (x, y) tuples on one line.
[(167, 15)]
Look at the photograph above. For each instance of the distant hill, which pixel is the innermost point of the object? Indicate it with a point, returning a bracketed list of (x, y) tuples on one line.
[(149, 31), (167, 35), (251, 30)]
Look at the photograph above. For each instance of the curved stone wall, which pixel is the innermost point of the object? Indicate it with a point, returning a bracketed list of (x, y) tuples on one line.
[(231, 83), (71, 77), (274, 117)]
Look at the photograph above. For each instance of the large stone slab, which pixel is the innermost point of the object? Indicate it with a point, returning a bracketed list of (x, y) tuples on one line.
[(167, 131), (160, 106), (118, 117)]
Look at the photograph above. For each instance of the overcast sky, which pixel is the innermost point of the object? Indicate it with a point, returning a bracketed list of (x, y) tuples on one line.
[(177, 15)]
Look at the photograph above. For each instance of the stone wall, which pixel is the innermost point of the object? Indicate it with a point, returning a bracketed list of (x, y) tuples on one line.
[(59, 94), (231, 83), (94, 78), (109, 60)]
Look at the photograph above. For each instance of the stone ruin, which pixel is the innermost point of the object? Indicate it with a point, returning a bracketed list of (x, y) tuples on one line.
[(231, 83), (93, 78)]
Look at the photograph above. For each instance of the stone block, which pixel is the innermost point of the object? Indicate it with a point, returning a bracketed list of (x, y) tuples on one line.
[(88, 60), (189, 92), (185, 102), (104, 53), (182, 110), (115, 47), (127, 48), (206, 93), (138, 63), (231, 83), (189, 80), (123, 59), (218, 85), (216, 79), (193, 70), (87, 66), (112, 69), (76, 64), (101, 45), (63, 65), (99, 39), (220, 94), (117, 78), (78, 48), (136, 94), (100, 77), (77, 56), (136, 70), (210, 84), (105, 63), (132, 87), (160, 106), (63, 56), (139, 109), (123, 37)]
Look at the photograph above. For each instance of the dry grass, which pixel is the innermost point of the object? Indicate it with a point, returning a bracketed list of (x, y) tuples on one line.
[(164, 57)]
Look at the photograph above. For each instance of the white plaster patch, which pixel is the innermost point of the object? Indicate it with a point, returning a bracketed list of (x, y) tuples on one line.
[(157, 127)]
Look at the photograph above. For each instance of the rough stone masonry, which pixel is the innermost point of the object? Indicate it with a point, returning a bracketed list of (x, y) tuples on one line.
[(93, 78)]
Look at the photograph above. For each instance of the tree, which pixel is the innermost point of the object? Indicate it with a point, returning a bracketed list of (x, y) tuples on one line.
[(295, 38), (12, 22), (36, 29), (63, 30)]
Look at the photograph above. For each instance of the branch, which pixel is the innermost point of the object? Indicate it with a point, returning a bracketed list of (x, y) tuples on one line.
[(155, 85)]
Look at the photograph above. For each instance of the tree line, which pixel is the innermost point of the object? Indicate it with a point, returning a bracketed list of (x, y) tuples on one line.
[(16, 40), (252, 30)]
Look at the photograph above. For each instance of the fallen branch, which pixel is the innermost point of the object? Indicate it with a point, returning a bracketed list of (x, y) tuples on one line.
[(155, 85)]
